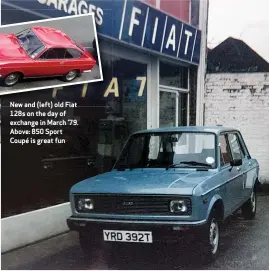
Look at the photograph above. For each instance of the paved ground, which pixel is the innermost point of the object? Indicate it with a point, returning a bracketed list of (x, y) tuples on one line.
[(244, 245), (36, 83)]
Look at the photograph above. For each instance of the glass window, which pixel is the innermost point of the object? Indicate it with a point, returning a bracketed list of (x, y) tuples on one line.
[(173, 75), (224, 151), (167, 109), (108, 112), (134, 154), (54, 53), (30, 42), (159, 150), (182, 109), (72, 53), (236, 149), (168, 103), (193, 95)]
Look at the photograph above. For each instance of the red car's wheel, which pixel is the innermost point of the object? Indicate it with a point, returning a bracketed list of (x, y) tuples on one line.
[(12, 79), (70, 76)]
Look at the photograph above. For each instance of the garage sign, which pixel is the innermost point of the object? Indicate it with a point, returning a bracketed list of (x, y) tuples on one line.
[(128, 21)]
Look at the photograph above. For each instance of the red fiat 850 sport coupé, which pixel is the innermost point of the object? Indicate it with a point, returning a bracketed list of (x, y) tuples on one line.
[(41, 52)]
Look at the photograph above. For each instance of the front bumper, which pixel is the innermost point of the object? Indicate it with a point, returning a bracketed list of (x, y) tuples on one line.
[(161, 230)]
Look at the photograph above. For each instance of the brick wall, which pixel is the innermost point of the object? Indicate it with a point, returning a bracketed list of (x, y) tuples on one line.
[(242, 101)]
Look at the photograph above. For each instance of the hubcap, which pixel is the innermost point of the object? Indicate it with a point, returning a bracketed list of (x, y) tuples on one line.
[(253, 201), (12, 79), (214, 236), (71, 75)]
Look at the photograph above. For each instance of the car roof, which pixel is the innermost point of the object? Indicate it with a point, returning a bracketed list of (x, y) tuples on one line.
[(206, 129), (52, 37)]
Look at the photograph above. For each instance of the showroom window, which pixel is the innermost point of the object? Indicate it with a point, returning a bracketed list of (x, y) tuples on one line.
[(172, 75), (108, 112), (173, 95)]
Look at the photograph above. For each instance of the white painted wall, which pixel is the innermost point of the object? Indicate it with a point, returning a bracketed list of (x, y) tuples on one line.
[(27, 228), (242, 101), (203, 24)]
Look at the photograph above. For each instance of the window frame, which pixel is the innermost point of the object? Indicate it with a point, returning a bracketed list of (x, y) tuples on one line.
[(51, 59), (167, 87), (125, 148), (239, 144), (228, 149), (80, 54), (243, 145)]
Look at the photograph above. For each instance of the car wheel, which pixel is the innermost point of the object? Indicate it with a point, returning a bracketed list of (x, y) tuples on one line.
[(70, 76), (249, 208), (210, 238), (12, 79)]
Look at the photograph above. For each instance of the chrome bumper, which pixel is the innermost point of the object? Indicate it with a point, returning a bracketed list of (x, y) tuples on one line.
[(78, 221)]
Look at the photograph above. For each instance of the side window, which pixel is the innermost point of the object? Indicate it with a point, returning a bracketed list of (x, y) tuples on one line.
[(72, 53), (60, 52), (54, 53), (235, 146), (224, 151), (44, 55)]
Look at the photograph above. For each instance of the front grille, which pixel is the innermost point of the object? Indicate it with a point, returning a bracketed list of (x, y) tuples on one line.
[(131, 204)]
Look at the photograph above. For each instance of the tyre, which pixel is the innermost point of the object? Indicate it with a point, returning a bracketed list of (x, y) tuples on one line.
[(210, 238), (12, 79), (249, 208), (70, 76)]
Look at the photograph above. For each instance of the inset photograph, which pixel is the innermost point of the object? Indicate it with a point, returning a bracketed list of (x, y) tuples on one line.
[(49, 53)]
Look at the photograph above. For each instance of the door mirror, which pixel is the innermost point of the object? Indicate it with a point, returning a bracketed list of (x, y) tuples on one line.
[(236, 162)]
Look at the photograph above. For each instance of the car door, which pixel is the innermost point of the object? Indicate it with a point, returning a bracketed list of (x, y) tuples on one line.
[(52, 62), (237, 153), (226, 174), (250, 169)]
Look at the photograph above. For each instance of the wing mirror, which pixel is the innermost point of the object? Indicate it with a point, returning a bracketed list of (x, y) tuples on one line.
[(236, 162)]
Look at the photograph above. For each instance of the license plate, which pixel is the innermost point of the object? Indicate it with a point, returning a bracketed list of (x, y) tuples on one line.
[(128, 236)]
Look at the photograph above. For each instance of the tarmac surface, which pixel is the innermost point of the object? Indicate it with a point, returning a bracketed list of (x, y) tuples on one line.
[(48, 82), (244, 245)]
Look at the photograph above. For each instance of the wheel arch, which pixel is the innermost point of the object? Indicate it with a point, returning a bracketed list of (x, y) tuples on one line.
[(217, 205), (19, 72)]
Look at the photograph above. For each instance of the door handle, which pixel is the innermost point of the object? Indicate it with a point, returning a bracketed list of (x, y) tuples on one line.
[(238, 168), (61, 63), (249, 163)]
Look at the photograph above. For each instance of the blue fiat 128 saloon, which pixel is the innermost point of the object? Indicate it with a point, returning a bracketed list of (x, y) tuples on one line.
[(168, 184)]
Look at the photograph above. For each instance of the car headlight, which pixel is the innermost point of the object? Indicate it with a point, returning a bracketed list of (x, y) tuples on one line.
[(85, 204), (178, 206)]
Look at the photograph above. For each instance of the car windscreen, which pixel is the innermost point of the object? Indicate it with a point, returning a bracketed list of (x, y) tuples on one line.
[(30, 42), (164, 150)]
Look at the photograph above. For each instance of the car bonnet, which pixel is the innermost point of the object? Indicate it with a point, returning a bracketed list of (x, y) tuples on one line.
[(143, 182)]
